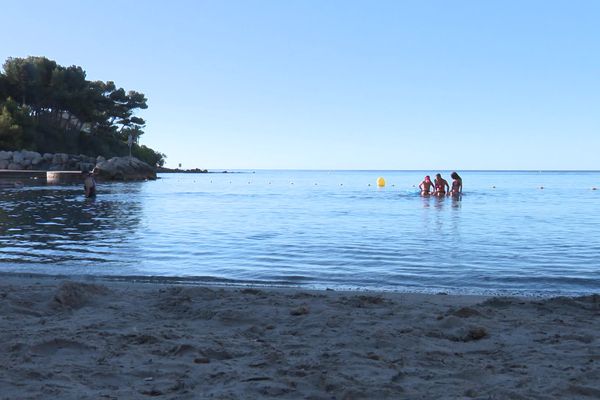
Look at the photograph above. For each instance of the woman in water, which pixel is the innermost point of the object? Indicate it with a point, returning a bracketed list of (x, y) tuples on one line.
[(456, 184), (441, 185), (426, 186)]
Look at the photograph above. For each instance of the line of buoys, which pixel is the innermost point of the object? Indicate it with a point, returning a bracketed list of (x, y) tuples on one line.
[(381, 183)]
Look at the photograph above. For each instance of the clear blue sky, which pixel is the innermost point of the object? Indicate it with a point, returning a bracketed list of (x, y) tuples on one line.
[(340, 84)]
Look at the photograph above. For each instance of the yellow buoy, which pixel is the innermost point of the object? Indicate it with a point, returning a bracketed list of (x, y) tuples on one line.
[(380, 182)]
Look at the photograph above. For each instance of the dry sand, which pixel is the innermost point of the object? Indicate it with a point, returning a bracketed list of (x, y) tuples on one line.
[(82, 339)]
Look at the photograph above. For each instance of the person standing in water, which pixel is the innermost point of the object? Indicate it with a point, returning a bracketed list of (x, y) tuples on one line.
[(456, 184), (426, 186), (441, 185), (89, 184)]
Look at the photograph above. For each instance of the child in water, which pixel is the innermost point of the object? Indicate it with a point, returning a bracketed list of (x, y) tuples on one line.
[(441, 185), (426, 186), (456, 184)]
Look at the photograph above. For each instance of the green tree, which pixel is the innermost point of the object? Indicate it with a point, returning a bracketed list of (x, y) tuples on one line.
[(57, 108), (3, 89), (149, 156), (11, 133)]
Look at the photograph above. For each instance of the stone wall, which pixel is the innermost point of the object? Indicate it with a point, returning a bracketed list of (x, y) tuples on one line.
[(31, 160)]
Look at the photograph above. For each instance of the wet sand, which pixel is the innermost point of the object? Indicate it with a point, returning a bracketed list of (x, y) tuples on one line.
[(94, 339)]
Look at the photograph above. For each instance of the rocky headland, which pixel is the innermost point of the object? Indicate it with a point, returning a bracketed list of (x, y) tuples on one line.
[(116, 168), (32, 160)]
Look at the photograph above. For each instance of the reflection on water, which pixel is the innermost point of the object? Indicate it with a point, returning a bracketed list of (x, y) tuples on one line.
[(53, 224), (323, 229)]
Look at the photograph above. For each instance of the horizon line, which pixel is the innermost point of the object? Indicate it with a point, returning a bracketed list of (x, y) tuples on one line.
[(391, 170)]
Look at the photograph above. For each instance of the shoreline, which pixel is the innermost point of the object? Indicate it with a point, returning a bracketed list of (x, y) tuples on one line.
[(217, 282), (89, 338)]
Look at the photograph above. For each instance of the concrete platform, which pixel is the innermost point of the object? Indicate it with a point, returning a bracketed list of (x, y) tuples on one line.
[(51, 177), (59, 177), (13, 174)]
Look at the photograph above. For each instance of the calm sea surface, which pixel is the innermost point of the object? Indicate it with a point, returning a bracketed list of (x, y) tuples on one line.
[(317, 229)]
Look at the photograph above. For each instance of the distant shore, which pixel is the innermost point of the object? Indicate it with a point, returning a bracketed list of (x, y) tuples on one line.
[(92, 338), (191, 171)]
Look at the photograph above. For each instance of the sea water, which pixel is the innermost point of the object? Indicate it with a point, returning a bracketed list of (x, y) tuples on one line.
[(316, 229)]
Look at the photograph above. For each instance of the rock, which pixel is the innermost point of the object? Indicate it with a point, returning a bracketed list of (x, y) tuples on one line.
[(30, 155), (3, 164), (6, 155), (100, 159), (17, 157), (60, 158), (72, 164), (125, 169), (86, 166), (48, 156), (15, 166), (37, 160)]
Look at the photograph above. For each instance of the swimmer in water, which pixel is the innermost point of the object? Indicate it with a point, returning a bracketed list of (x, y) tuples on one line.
[(89, 184), (456, 189), (441, 185), (426, 186)]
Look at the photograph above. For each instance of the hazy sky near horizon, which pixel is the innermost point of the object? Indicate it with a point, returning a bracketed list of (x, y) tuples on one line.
[(340, 84)]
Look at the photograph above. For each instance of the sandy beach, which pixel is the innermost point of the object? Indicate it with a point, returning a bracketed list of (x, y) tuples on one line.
[(95, 339)]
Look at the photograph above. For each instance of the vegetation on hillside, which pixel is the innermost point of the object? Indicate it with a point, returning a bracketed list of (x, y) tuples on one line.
[(49, 108)]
